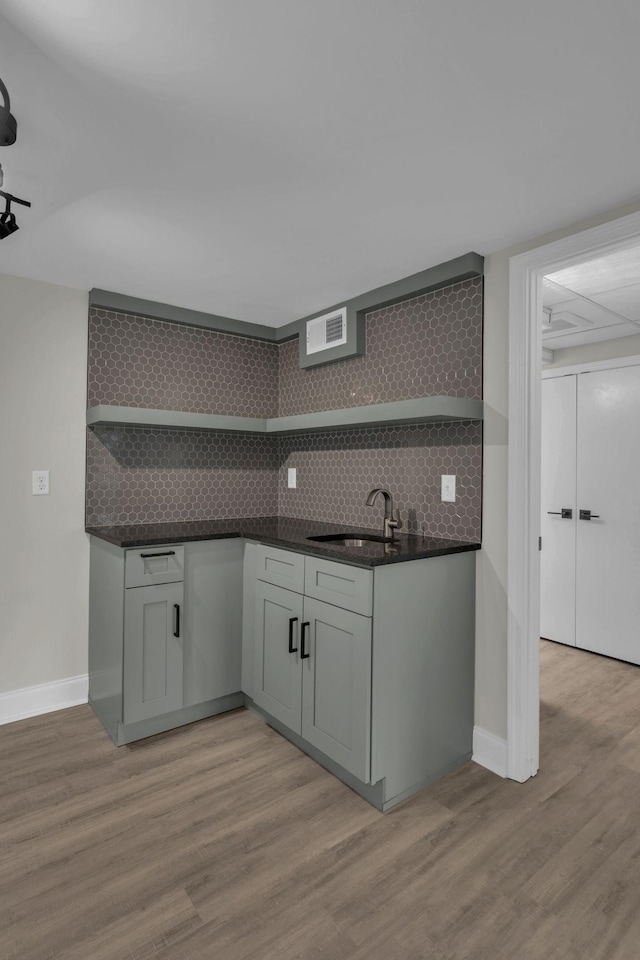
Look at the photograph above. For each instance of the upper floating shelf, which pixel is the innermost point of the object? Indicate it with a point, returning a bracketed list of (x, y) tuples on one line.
[(141, 417), (423, 410)]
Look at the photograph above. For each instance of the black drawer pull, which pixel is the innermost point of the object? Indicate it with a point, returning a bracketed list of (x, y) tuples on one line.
[(303, 630), (167, 553), (176, 619), (292, 620)]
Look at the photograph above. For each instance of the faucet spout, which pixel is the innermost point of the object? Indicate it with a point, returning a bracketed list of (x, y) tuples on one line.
[(391, 520)]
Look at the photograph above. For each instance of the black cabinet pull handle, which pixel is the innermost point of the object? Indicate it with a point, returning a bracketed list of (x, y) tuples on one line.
[(176, 619), (167, 553), (303, 630), (292, 620), (566, 513), (587, 515)]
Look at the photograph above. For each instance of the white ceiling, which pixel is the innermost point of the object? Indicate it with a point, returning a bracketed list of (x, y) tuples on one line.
[(266, 160), (593, 301)]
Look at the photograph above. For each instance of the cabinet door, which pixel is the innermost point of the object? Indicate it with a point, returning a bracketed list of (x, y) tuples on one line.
[(336, 685), (152, 651), (276, 681)]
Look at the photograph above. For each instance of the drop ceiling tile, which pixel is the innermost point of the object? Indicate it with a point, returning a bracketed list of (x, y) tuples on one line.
[(609, 272), (553, 293), (625, 301)]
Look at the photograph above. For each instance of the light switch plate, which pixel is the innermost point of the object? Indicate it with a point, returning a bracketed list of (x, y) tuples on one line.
[(447, 488), (291, 478), (40, 483)]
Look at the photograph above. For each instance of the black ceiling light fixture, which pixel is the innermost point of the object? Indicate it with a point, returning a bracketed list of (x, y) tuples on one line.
[(8, 132), (8, 223), (8, 125)]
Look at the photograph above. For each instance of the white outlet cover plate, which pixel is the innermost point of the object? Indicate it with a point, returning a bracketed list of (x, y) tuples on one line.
[(447, 488), (40, 483), (291, 478)]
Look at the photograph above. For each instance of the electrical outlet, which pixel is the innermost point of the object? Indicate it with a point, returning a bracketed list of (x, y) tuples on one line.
[(40, 483), (291, 478), (448, 489)]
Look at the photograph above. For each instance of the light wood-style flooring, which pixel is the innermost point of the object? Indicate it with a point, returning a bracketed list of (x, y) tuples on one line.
[(223, 841)]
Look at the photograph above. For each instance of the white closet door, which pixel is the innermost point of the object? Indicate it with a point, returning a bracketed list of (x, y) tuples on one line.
[(608, 484), (557, 560)]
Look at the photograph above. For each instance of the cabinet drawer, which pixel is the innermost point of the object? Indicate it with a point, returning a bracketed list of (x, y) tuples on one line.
[(348, 587), (280, 567), (149, 565)]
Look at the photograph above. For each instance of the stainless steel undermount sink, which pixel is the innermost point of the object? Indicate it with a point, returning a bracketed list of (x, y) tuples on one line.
[(350, 539)]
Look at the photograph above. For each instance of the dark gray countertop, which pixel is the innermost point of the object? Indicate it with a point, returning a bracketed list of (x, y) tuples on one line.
[(287, 533)]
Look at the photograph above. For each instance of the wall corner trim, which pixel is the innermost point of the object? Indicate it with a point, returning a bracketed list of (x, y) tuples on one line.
[(490, 751), (43, 698)]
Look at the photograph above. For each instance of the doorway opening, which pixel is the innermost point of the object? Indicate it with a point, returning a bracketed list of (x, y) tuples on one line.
[(527, 272)]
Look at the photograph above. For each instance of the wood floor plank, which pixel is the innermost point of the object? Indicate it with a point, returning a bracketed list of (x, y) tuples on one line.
[(221, 840)]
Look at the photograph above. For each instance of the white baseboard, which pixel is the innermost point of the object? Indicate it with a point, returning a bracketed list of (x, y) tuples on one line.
[(43, 698), (490, 751)]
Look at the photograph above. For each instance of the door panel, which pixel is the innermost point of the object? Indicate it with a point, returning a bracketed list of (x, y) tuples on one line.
[(152, 654), (277, 683), (608, 547), (558, 489), (213, 621), (336, 686)]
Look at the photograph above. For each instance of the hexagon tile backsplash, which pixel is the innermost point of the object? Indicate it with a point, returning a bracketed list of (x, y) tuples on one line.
[(140, 475), (140, 362), (427, 345), (336, 471), (421, 347)]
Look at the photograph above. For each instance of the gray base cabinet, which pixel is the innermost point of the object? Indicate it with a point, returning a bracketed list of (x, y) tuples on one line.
[(370, 671), (375, 676), (165, 634)]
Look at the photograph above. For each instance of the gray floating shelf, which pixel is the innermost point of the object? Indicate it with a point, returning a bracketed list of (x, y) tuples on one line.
[(142, 417), (423, 410)]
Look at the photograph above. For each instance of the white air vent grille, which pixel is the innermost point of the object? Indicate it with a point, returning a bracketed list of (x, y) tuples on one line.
[(327, 331), (558, 325)]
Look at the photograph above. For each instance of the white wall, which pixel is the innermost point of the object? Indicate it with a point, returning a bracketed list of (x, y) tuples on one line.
[(44, 562), (492, 573), (606, 350)]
